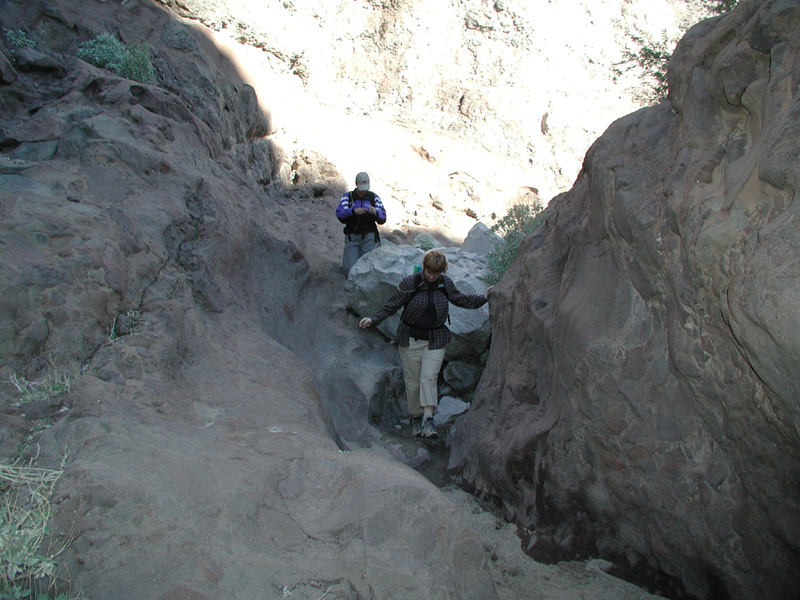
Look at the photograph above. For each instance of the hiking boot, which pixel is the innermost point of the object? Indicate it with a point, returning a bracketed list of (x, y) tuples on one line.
[(429, 430), (416, 426)]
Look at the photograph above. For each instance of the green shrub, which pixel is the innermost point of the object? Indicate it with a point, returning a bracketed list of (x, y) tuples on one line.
[(107, 52), (18, 39), (136, 64), (650, 59), (425, 241), (104, 51), (520, 221)]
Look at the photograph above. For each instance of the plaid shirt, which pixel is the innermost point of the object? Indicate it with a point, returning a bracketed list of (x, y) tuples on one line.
[(440, 335)]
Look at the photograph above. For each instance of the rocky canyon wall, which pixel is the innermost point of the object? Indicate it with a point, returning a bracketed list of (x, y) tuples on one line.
[(641, 391), (638, 390), (150, 254)]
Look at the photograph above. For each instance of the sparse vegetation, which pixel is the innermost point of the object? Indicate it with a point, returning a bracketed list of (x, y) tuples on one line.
[(52, 391), (520, 221), (718, 7), (129, 323), (54, 384), (29, 566), (649, 57), (18, 39), (107, 52)]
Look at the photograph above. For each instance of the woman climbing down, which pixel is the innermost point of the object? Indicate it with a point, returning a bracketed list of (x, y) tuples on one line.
[(422, 334)]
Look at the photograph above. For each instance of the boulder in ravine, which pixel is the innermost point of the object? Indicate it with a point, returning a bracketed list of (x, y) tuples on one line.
[(481, 240), (640, 395), (448, 409), (461, 377)]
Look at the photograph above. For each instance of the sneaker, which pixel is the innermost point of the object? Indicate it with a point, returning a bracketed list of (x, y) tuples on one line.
[(416, 426), (429, 430)]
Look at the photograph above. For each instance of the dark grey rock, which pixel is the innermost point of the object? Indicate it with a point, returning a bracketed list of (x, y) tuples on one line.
[(461, 377), (646, 345)]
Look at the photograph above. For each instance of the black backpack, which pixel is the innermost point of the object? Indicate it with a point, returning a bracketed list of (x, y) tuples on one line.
[(439, 287)]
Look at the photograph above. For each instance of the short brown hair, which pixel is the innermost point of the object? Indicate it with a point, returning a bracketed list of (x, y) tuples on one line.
[(435, 262)]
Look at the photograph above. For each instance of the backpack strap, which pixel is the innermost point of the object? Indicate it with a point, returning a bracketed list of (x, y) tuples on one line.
[(418, 281), (440, 287)]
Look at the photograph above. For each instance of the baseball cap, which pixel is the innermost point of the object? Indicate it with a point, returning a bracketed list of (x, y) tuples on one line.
[(362, 182)]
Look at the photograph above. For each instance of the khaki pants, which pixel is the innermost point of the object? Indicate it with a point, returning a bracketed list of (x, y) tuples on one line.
[(421, 374)]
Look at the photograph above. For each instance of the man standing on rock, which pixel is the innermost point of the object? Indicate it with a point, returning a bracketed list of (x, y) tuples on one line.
[(361, 211)]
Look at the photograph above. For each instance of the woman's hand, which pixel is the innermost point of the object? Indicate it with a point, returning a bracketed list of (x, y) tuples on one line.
[(365, 322)]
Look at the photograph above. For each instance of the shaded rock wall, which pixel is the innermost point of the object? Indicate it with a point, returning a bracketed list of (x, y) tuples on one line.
[(101, 180), (471, 105), (641, 388), (205, 456)]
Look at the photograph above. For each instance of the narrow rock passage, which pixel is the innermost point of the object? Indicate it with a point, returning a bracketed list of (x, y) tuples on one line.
[(516, 575)]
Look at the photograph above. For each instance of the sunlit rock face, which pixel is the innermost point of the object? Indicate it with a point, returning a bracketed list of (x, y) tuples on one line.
[(641, 391), (455, 108)]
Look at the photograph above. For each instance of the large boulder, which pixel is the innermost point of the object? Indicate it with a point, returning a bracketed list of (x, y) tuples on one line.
[(641, 393), (481, 240), (376, 275)]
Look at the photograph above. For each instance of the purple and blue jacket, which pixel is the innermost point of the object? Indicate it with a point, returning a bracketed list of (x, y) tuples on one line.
[(360, 224)]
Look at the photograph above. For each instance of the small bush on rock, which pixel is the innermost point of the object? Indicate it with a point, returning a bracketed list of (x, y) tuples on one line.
[(136, 64), (425, 241), (520, 221), (107, 52), (18, 39), (650, 59), (104, 51)]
